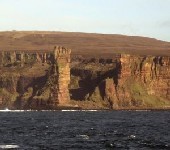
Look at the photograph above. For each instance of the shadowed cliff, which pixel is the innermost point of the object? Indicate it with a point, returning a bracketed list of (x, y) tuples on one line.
[(122, 81)]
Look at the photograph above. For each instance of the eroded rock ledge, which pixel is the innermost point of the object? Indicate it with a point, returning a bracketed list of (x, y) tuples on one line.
[(39, 80)]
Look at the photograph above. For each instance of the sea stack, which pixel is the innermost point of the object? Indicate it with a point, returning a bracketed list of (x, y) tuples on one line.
[(61, 69)]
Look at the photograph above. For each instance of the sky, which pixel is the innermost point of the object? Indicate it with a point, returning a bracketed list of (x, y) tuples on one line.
[(149, 18)]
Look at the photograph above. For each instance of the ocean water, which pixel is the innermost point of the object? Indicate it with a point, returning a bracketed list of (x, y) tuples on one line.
[(85, 130)]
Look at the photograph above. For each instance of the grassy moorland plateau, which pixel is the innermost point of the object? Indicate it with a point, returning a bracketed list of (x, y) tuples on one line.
[(107, 71)]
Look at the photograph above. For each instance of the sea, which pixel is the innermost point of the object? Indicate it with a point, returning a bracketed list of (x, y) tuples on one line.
[(85, 130)]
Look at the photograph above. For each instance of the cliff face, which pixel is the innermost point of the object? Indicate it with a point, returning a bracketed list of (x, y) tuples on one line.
[(142, 82), (153, 72), (118, 81), (36, 80), (8, 89), (133, 82)]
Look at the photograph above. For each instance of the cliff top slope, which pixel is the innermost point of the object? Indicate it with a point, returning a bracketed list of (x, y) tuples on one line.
[(83, 43)]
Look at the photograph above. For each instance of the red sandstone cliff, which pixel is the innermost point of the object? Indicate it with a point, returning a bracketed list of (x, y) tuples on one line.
[(142, 82), (118, 81), (135, 82)]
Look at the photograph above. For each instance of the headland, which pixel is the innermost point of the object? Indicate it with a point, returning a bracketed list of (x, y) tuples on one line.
[(97, 71)]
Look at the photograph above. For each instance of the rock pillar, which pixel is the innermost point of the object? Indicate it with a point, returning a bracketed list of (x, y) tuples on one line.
[(44, 58), (22, 59), (12, 57), (60, 91), (38, 58)]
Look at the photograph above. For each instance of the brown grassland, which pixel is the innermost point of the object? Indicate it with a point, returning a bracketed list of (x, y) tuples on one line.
[(83, 43)]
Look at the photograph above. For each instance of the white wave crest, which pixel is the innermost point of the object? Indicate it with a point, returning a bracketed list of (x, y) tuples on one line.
[(8, 146)]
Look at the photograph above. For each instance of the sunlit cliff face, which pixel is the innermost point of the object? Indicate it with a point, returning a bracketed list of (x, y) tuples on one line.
[(40, 80)]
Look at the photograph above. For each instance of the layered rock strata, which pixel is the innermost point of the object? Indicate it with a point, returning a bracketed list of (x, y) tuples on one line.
[(12, 58), (41, 80), (131, 82), (142, 82), (34, 79), (61, 69)]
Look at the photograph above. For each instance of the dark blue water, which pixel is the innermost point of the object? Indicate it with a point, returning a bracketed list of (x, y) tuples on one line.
[(85, 130)]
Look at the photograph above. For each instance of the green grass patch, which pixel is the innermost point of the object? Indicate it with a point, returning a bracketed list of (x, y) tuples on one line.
[(141, 97)]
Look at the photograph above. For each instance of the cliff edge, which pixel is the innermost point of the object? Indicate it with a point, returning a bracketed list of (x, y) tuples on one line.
[(119, 81)]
